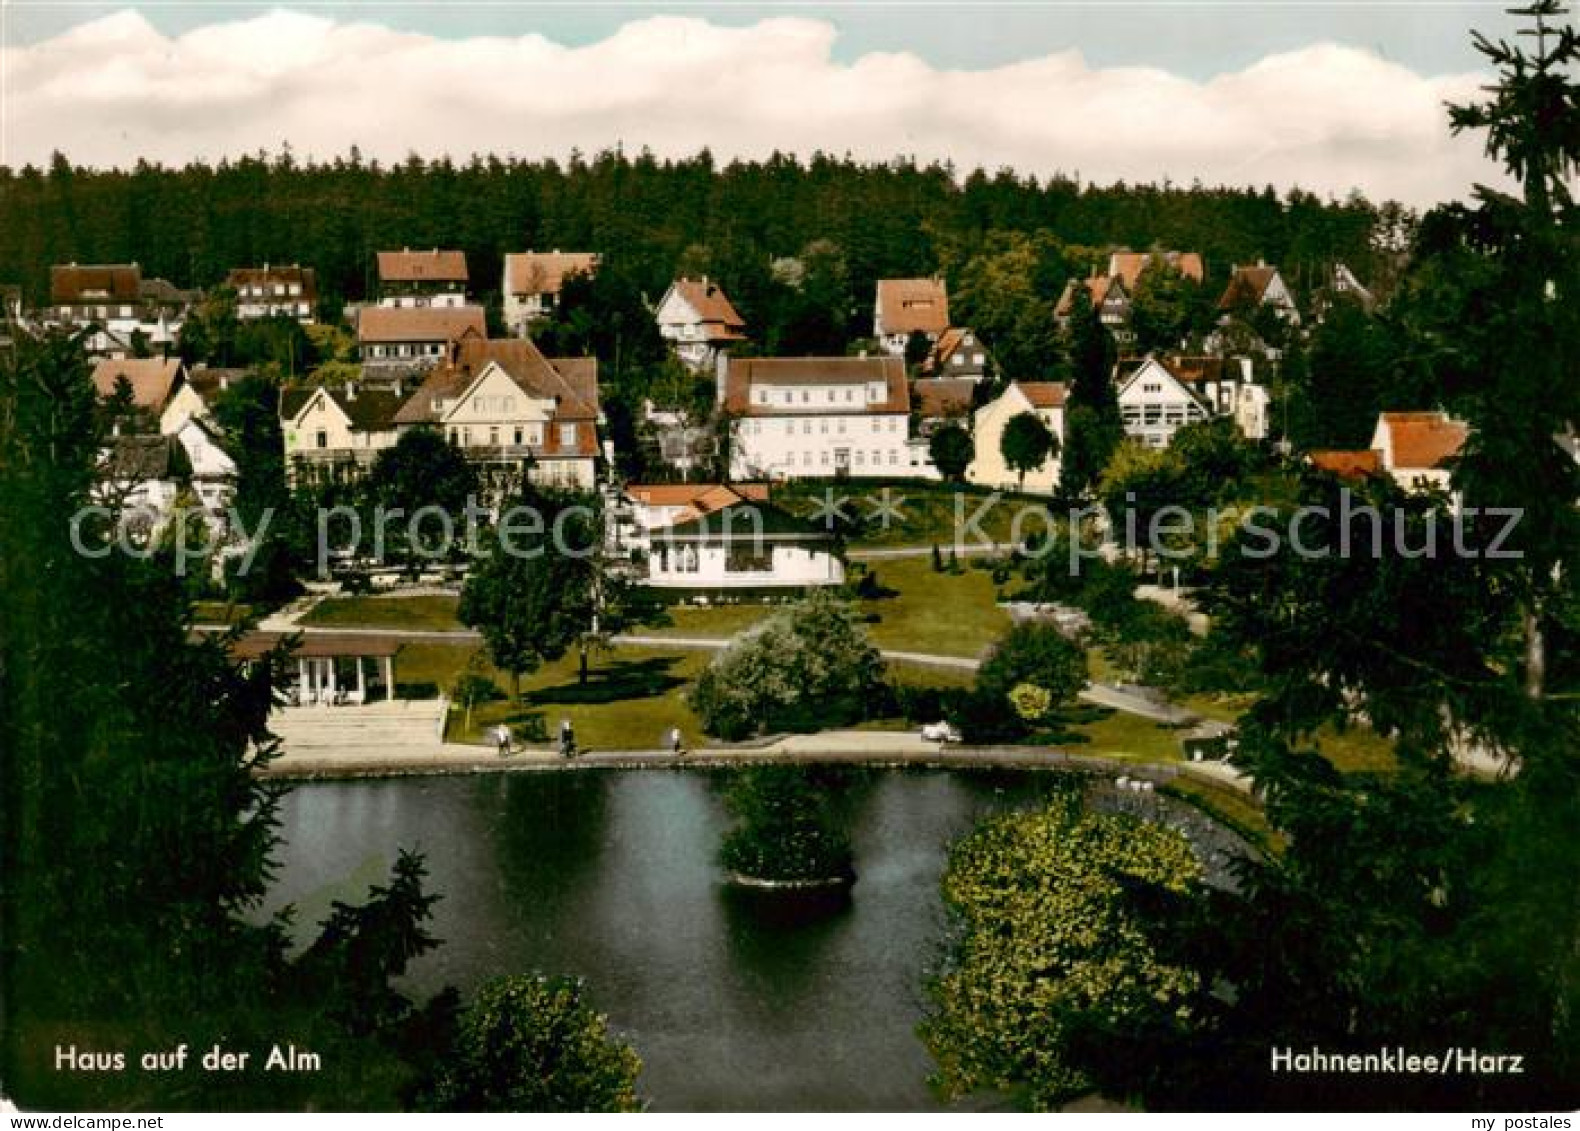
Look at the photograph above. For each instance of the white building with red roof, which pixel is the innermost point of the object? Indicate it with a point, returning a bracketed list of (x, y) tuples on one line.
[(988, 467), (697, 318), (508, 407), (1418, 448), (422, 278), (533, 280), (806, 417), (909, 306)]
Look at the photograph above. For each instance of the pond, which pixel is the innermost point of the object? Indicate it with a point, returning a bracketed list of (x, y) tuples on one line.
[(611, 875)]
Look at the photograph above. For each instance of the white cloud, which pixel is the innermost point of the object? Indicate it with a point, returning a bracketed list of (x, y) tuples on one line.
[(1327, 118)]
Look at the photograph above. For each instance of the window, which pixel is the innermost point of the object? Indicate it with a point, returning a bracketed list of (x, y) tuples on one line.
[(323, 438), (850, 395), (762, 396), (823, 457), (493, 437), (567, 435), (860, 457), (824, 426), (806, 427), (518, 436), (806, 396), (894, 458), (466, 437)]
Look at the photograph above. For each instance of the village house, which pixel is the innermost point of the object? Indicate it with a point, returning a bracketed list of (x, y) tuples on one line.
[(698, 320), (909, 306), (397, 342), (513, 411), (988, 467), (274, 292), (128, 313), (711, 539), (957, 355), (1127, 266), (161, 397), (532, 283), (804, 417), (1159, 396), (1256, 286), (336, 431), (422, 278), (1110, 299), (1418, 448)]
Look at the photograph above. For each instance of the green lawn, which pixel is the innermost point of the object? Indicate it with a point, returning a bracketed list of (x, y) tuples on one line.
[(220, 612), (943, 614), (428, 613), (632, 698), (1116, 734)]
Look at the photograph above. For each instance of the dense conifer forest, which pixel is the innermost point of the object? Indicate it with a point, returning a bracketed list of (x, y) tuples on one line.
[(192, 224)]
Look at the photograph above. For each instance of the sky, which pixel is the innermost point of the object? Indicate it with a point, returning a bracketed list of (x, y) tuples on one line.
[(1330, 95)]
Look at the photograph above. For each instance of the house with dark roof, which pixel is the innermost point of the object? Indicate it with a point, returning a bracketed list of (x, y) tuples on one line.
[(274, 291), (510, 409), (1109, 297), (126, 311), (422, 278), (336, 429), (715, 539), (988, 468), (530, 290), (909, 306), (804, 417), (958, 354), (1255, 286), (698, 320)]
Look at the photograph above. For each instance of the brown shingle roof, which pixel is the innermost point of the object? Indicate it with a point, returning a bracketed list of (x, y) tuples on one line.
[(811, 371), (1128, 265), (1097, 287), (1043, 394), (305, 277), (422, 267), (1247, 286), (1423, 441), (571, 382), (943, 399), (908, 306), (1347, 464), (713, 307), (419, 323), (119, 282), (153, 379), (544, 272)]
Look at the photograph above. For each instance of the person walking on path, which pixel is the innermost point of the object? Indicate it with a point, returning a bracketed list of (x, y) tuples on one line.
[(675, 746), (502, 740), (567, 738)]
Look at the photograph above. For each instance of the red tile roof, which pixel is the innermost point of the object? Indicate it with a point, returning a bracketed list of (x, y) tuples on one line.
[(544, 272), (1128, 265), (713, 308), (422, 266), (1098, 287), (1247, 286), (1347, 464), (908, 306), (572, 383), (1043, 394), (419, 323), (744, 373), (153, 380), (1423, 441)]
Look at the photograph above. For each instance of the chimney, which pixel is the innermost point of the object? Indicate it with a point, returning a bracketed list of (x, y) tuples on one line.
[(721, 377)]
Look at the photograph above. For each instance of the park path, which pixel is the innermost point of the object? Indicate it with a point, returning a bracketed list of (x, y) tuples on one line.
[(398, 739)]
